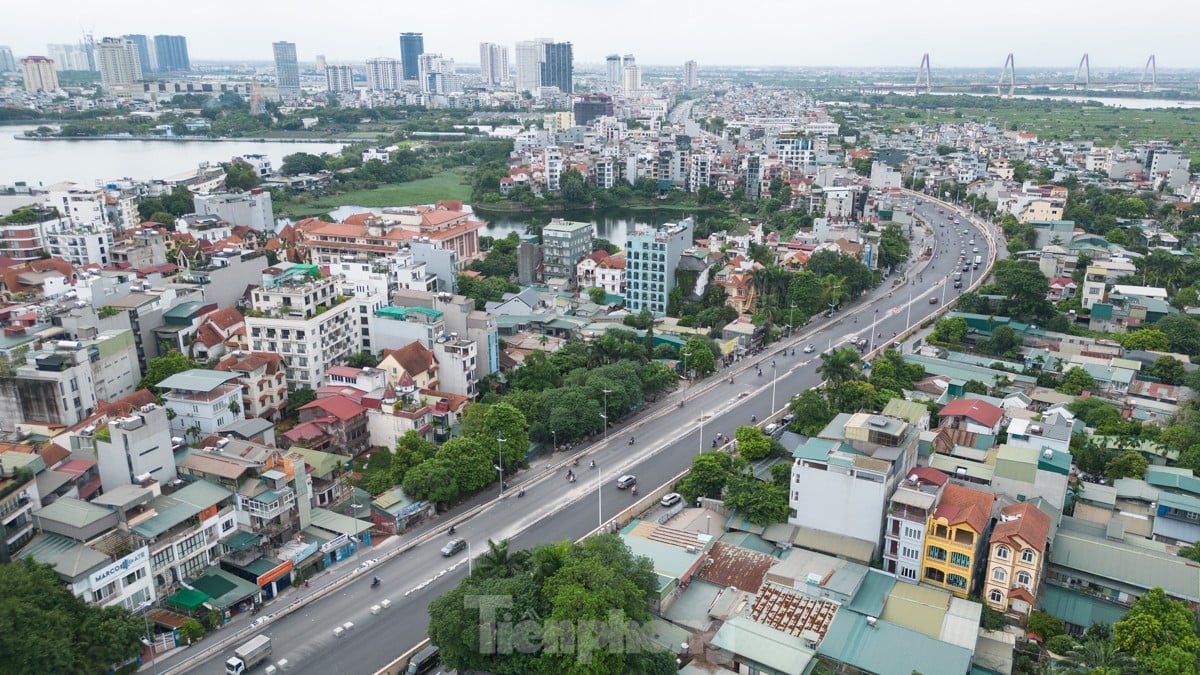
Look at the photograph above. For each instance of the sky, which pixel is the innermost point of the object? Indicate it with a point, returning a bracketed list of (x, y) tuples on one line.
[(963, 33)]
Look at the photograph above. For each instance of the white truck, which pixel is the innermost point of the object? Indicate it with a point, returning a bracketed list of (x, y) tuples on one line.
[(248, 655)]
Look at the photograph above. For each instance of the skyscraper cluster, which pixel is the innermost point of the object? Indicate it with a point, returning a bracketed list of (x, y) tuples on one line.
[(162, 53), (339, 78), (493, 63)]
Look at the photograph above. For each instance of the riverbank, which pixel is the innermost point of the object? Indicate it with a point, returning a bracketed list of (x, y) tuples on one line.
[(508, 208), (187, 139)]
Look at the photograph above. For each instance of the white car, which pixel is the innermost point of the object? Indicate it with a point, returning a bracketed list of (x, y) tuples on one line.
[(809, 349), (671, 499)]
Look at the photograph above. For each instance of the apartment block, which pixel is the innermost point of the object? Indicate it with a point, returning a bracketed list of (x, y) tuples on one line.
[(202, 401), (908, 513), (564, 244), (652, 255), (135, 448), (252, 209)]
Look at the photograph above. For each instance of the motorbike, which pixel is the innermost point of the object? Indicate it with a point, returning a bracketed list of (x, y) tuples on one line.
[(681, 404), (753, 418), (592, 464), (375, 582), (631, 440), (521, 493), (450, 531)]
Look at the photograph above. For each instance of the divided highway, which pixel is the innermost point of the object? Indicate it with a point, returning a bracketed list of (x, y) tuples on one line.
[(667, 438)]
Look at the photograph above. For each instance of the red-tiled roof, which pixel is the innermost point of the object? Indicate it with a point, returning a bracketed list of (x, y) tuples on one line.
[(973, 409), (928, 474), (337, 406), (1019, 593), (965, 505), (345, 371), (413, 357), (1026, 522)]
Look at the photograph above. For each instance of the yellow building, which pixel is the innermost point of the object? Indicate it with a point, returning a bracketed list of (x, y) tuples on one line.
[(954, 539), (1016, 553), (1041, 209)]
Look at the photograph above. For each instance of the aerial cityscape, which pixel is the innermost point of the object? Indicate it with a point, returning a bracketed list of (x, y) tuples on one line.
[(613, 339)]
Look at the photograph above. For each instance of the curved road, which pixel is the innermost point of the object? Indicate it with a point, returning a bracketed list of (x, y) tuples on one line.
[(553, 510)]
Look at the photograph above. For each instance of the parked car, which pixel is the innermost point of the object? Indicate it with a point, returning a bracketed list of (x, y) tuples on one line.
[(626, 481), (454, 546), (772, 430), (671, 499), (787, 419)]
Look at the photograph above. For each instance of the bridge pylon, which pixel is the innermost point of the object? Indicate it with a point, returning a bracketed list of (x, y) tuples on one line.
[(1151, 68), (923, 69), (1084, 67), (1010, 69)]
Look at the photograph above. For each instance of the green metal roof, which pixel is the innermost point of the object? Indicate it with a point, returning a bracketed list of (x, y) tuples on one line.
[(197, 379), (188, 599), (888, 648), (322, 463), (242, 541), (224, 589), (1078, 608), (337, 523), (401, 313), (1177, 478), (1133, 561), (763, 645), (950, 465), (872, 595), (176, 508), (906, 410)]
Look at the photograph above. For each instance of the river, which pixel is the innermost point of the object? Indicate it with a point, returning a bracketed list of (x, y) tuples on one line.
[(91, 161)]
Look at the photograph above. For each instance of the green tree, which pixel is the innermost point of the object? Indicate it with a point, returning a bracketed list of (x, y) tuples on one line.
[(1044, 625), (301, 163), (1128, 464), (812, 412), (838, 367), (298, 399), (164, 366), (893, 246), (1075, 381), (362, 360), (488, 423), (752, 443), (762, 503), (1183, 333), (700, 357), (1158, 631), (1146, 339), (597, 295), (239, 175), (1004, 341), (1168, 370), (191, 631), (1099, 657), (1024, 287), (951, 330), (710, 472), (49, 630)]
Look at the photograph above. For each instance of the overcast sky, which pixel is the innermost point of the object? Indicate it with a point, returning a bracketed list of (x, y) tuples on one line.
[(958, 33)]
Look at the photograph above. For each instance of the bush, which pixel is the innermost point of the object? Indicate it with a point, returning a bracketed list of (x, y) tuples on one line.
[(1060, 644), (1043, 625)]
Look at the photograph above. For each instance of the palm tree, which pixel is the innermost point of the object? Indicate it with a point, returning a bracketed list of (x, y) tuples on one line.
[(497, 561), (833, 290), (839, 367), (1099, 657)]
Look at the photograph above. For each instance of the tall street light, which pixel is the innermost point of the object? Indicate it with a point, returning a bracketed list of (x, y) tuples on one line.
[(555, 435), (908, 317), (774, 379), (685, 371), (144, 609), (606, 393), (874, 324), (792, 321), (500, 466), (470, 566), (701, 432), (599, 496)]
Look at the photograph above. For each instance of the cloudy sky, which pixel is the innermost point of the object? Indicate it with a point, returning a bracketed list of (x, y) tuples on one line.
[(964, 33)]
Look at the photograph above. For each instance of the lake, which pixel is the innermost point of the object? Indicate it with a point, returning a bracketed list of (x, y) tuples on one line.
[(88, 161)]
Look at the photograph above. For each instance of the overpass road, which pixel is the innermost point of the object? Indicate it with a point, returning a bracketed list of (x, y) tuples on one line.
[(667, 438)]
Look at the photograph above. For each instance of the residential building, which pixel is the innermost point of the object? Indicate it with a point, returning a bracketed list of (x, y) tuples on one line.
[(145, 49), (185, 531), (331, 424), (412, 45), (263, 380), (908, 513), (651, 259), (384, 74), (252, 209), (7, 63), (79, 245), (493, 63), (69, 57), (55, 386), (23, 241), (612, 72), (119, 62), (339, 78), (202, 401), (588, 107), (300, 316), (558, 67), (564, 244), (446, 224), (843, 479), (222, 278), (81, 205), (39, 75), (134, 448), (955, 537), (141, 248), (610, 275), (18, 500), (631, 78), (1095, 281), (457, 365), (171, 52), (529, 55), (972, 415), (1017, 554), (287, 70), (436, 74), (691, 77)]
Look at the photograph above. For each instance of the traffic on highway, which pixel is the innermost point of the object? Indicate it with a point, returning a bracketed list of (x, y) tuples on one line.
[(354, 626)]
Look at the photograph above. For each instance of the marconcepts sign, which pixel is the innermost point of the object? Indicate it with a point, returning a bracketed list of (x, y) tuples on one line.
[(124, 564)]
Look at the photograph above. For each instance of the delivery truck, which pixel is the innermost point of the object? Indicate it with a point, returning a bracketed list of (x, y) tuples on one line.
[(248, 655)]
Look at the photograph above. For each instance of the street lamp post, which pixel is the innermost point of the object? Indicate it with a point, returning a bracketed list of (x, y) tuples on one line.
[(908, 316), (470, 566), (599, 496), (500, 466), (701, 432), (554, 434), (144, 609), (685, 370), (874, 323), (774, 379), (357, 541), (792, 321), (606, 393)]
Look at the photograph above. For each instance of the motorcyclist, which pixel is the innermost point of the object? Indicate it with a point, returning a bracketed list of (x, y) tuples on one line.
[(754, 418), (451, 531), (631, 440), (592, 464), (375, 581)]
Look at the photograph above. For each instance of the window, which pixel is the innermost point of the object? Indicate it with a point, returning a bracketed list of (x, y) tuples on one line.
[(998, 574), (1027, 555), (1024, 579), (908, 573), (912, 533), (1002, 552), (960, 559), (996, 596)]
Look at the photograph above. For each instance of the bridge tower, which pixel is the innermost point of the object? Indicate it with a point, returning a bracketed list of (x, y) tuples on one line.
[(923, 69), (1085, 68), (1151, 68), (1010, 69)]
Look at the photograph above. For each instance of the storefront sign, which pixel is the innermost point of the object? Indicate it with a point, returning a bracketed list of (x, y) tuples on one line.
[(123, 565)]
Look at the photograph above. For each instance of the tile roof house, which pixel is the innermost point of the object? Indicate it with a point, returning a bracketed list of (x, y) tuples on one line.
[(954, 538), (1016, 557), (973, 415), (413, 360), (264, 381), (331, 424)]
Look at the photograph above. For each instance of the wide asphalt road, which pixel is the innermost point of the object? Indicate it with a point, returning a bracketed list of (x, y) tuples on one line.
[(667, 438)]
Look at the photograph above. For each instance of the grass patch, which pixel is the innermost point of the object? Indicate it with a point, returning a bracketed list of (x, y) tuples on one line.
[(451, 184)]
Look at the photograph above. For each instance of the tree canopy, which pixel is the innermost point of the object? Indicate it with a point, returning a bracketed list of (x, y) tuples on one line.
[(164, 366), (46, 629)]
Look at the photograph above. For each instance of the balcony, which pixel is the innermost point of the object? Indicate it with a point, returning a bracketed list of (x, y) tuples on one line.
[(909, 513)]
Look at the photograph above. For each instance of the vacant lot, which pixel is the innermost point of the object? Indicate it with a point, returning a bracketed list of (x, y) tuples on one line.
[(450, 184)]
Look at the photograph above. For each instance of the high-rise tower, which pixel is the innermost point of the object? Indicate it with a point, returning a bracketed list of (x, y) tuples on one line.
[(172, 53), (287, 70), (412, 46)]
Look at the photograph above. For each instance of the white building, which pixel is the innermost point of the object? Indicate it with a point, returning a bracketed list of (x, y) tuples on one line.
[(699, 172), (80, 246), (302, 317), (119, 62), (339, 78), (691, 77), (185, 532), (252, 209), (493, 63), (904, 536), (83, 206), (529, 55), (384, 74), (632, 78), (202, 401), (134, 447), (456, 365), (39, 75)]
